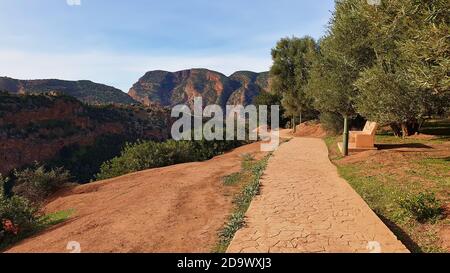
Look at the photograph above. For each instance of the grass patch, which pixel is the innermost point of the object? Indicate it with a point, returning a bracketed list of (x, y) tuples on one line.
[(249, 178), (232, 179), (331, 142), (407, 190), (57, 217), (423, 207)]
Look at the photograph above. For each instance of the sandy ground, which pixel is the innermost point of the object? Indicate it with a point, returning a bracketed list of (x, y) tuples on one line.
[(173, 209), (310, 129)]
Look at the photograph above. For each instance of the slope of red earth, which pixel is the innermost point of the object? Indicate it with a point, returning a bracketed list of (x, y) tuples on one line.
[(173, 209)]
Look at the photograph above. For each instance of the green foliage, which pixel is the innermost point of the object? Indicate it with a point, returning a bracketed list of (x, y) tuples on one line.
[(388, 63), (18, 217), (426, 49), (403, 80), (148, 154), (37, 183), (344, 53), (57, 217), (332, 122), (268, 98), (292, 61), (232, 179), (423, 206), (401, 102), (386, 186), (242, 201)]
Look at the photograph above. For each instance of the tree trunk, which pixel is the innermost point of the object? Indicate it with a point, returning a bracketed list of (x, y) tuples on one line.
[(293, 125), (420, 125), (396, 128), (405, 129), (345, 137), (409, 128)]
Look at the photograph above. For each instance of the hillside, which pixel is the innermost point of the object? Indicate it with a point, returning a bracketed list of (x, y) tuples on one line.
[(172, 88), (86, 91), (178, 208), (57, 127)]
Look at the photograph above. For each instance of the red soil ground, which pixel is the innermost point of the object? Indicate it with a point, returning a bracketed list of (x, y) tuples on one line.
[(173, 209), (309, 129)]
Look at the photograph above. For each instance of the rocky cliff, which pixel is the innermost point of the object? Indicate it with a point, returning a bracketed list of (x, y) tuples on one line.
[(172, 88), (45, 127)]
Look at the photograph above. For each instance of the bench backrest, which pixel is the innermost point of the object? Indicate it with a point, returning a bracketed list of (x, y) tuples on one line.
[(370, 128)]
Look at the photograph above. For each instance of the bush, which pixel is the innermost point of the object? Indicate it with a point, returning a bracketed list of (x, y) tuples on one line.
[(36, 183), (18, 217), (148, 154), (423, 206), (333, 123)]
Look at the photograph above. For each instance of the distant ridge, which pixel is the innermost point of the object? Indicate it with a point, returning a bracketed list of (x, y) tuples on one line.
[(85, 91), (172, 88), (159, 87)]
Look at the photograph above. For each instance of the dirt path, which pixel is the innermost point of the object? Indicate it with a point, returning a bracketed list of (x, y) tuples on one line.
[(174, 209), (305, 206)]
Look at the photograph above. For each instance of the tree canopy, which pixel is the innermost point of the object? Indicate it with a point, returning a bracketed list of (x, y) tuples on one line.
[(292, 60), (388, 63)]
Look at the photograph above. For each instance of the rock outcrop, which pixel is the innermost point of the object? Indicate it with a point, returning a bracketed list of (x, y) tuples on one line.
[(39, 127), (172, 88)]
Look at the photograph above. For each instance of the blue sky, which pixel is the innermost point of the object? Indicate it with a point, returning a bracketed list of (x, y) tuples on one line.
[(116, 41)]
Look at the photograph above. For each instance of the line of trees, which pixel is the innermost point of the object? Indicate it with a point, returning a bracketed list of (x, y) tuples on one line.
[(387, 63)]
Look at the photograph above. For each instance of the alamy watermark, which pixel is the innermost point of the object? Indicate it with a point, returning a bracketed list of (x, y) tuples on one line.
[(73, 2), (374, 247), (235, 123), (74, 247)]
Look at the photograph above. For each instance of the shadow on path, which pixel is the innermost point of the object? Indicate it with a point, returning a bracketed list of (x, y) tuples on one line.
[(401, 235)]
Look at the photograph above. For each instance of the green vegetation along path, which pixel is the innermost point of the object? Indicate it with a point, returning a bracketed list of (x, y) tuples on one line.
[(304, 206)]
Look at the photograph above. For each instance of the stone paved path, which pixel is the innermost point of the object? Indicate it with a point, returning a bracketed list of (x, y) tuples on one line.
[(305, 206)]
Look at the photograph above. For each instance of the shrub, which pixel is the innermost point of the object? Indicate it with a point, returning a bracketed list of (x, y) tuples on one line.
[(149, 154), (18, 217), (36, 183), (423, 206)]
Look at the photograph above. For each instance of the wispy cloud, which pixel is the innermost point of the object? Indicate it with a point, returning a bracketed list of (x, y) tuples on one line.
[(116, 42)]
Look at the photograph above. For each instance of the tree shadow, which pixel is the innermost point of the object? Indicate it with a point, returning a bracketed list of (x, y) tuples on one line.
[(403, 145), (442, 138), (401, 235)]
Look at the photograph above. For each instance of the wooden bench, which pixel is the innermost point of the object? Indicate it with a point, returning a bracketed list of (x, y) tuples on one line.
[(362, 140)]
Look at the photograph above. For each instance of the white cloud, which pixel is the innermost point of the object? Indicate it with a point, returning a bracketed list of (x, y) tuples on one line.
[(116, 69)]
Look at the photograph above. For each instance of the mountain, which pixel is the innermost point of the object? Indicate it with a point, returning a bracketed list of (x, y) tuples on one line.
[(249, 85), (62, 130), (172, 88), (86, 91)]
